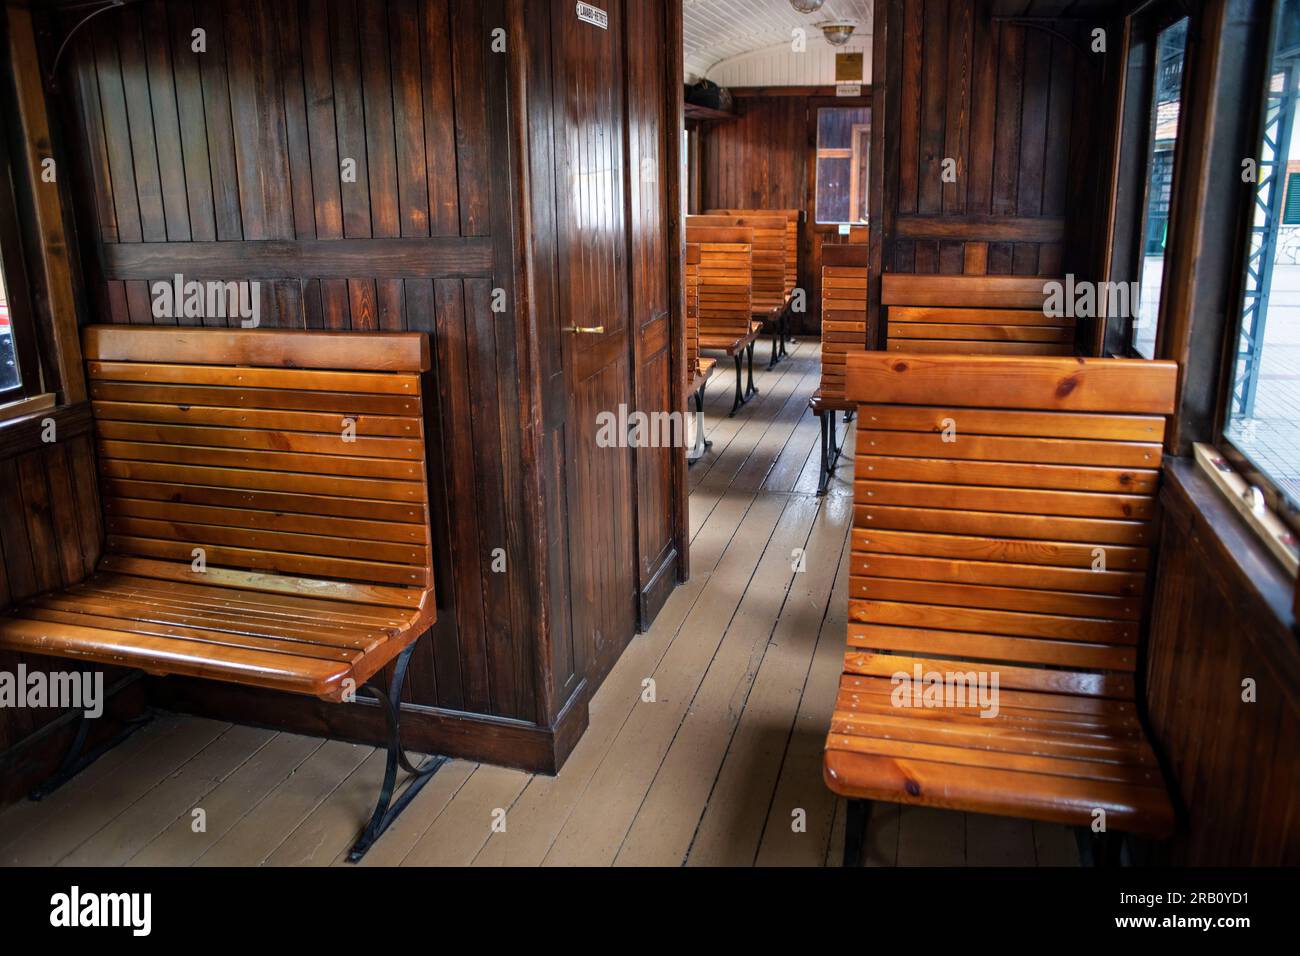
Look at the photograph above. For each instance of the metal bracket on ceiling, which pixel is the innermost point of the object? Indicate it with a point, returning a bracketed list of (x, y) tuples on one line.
[(101, 6)]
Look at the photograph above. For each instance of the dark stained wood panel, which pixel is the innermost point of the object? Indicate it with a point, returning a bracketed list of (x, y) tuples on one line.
[(230, 164), (1222, 615), (1008, 105)]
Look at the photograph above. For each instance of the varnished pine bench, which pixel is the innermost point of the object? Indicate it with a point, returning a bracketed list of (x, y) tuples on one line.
[(1003, 512), (265, 509), (726, 297), (769, 298)]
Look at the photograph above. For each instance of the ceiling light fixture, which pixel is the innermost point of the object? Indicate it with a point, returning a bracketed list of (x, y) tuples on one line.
[(837, 32), (807, 6)]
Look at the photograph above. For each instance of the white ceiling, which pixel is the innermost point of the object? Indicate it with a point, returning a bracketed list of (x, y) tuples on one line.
[(718, 30)]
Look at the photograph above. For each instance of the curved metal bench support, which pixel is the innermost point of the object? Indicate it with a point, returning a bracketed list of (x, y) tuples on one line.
[(386, 810)]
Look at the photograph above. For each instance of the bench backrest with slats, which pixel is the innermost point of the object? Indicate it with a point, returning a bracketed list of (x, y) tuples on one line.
[(692, 289), (985, 315), (844, 312), (725, 279), (281, 452), (769, 255), (791, 217), (1003, 514)]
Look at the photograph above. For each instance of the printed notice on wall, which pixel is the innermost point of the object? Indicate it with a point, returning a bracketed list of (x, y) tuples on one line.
[(593, 15)]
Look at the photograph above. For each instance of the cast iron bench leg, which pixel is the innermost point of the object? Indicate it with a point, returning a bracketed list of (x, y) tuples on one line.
[(78, 758), (750, 389), (776, 346), (386, 811), (740, 398)]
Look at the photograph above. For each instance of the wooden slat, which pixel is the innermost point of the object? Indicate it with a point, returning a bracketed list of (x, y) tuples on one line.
[(999, 574), (1061, 554), (982, 421), (993, 647), (1041, 383), (256, 398), (959, 445), (260, 440), (342, 351), (1007, 525), (367, 426), (1006, 474), (247, 377), (994, 598)]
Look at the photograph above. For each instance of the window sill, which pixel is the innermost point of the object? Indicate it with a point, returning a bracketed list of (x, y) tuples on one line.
[(1240, 555), (23, 434)]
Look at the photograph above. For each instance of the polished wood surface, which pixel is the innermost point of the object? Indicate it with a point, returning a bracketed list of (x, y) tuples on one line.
[(726, 282), (1010, 110), (844, 313), (710, 774), (51, 537), (991, 315), (1049, 604), (1223, 683), (317, 539)]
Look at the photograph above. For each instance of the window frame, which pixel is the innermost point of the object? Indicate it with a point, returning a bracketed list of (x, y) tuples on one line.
[(1275, 500), (1141, 35), (17, 291), (822, 230)]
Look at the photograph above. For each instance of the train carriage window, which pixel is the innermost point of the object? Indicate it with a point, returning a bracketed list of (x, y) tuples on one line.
[(1162, 139), (843, 151), (1262, 416), (20, 373)]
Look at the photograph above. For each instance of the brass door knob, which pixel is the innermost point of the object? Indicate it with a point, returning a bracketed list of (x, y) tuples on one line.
[(585, 329)]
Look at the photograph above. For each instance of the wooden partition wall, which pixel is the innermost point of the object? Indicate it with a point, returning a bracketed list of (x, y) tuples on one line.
[(363, 163), (989, 143)]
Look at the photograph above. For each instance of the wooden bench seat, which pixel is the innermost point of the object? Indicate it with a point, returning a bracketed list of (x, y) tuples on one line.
[(1003, 512), (725, 296), (769, 294), (265, 511), (970, 315)]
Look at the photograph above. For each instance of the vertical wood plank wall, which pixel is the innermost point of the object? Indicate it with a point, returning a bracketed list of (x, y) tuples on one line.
[(1234, 765), (235, 163), (1013, 107), (50, 537), (760, 161), (195, 158)]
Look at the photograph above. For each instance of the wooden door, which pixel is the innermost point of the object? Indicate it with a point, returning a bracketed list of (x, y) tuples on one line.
[(588, 91)]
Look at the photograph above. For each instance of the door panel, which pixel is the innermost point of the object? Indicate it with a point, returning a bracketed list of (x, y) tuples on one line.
[(593, 295)]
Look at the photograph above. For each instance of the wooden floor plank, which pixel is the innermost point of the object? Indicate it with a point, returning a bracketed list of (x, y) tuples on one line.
[(464, 825), (732, 825), (260, 831), (85, 810), (666, 820), (175, 798), (226, 804), (746, 657), (999, 841), (603, 813), (547, 801), (931, 837), (799, 786)]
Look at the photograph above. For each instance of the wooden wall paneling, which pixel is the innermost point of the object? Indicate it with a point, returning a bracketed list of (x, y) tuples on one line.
[(1222, 613), (1009, 104), (50, 537), (652, 204)]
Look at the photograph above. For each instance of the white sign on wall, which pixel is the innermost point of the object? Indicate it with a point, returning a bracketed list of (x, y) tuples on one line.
[(593, 15)]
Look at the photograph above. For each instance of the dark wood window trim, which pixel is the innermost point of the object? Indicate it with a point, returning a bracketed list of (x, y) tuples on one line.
[(1141, 30), (1189, 496), (1269, 14), (17, 282)]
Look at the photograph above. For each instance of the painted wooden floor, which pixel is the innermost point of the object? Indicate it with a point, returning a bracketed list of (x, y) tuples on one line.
[(722, 768)]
